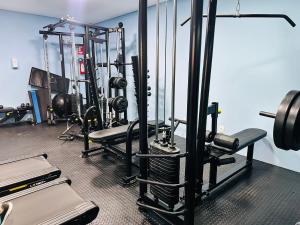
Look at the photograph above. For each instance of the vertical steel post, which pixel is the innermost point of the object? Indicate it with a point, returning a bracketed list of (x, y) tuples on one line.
[(63, 70), (46, 59), (192, 108), (76, 71), (124, 66), (86, 41), (93, 47), (50, 115), (157, 71), (205, 86), (173, 72), (108, 63), (142, 44), (165, 67)]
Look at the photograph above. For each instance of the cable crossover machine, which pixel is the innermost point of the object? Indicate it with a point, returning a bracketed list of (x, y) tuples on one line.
[(162, 191)]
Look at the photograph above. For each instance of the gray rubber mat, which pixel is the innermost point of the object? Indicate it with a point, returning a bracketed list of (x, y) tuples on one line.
[(269, 195)]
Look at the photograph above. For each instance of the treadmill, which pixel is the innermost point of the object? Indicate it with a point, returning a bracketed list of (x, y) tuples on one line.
[(24, 172), (52, 203)]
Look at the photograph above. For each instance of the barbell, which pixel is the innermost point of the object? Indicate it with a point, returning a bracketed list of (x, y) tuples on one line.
[(286, 130)]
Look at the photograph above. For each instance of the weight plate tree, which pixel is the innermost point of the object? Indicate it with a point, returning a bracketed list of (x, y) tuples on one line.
[(287, 122)]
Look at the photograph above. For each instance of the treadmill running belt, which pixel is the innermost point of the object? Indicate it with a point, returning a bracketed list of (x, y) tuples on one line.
[(52, 203)]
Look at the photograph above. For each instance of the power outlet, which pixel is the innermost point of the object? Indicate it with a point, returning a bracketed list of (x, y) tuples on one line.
[(221, 129)]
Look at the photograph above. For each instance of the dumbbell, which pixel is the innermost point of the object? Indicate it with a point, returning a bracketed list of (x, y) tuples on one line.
[(118, 82), (119, 104)]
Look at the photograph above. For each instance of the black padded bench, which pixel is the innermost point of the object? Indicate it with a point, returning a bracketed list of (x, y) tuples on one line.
[(24, 172), (249, 136), (110, 138), (110, 134), (115, 135), (52, 203), (245, 139)]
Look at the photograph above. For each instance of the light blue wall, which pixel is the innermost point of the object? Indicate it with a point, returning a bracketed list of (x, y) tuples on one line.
[(20, 38), (256, 62)]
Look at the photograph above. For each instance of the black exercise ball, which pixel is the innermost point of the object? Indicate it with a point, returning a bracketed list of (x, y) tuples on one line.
[(58, 105)]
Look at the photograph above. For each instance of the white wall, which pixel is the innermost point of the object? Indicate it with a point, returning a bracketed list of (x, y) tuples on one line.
[(256, 62)]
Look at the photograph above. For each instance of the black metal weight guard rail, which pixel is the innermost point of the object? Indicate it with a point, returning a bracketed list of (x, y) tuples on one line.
[(129, 138), (160, 183), (279, 16), (174, 213)]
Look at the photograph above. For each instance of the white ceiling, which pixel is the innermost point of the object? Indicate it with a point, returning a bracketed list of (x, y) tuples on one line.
[(88, 11)]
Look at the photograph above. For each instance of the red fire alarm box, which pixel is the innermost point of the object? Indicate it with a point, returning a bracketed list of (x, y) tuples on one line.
[(80, 50)]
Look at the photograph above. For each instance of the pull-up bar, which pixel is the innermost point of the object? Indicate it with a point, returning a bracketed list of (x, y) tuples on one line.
[(282, 16), (63, 22)]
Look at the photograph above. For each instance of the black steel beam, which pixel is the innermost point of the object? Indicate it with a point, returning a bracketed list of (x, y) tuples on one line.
[(63, 22), (205, 87), (192, 108), (142, 48), (124, 66), (86, 43), (54, 33)]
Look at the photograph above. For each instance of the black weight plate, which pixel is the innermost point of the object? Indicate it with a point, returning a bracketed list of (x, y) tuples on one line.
[(292, 127), (281, 117)]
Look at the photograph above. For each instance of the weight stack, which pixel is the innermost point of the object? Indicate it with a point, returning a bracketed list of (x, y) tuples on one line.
[(164, 170)]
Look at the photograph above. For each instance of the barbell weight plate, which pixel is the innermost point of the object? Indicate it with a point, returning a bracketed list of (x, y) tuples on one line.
[(119, 104), (281, 118), (292, 127)]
